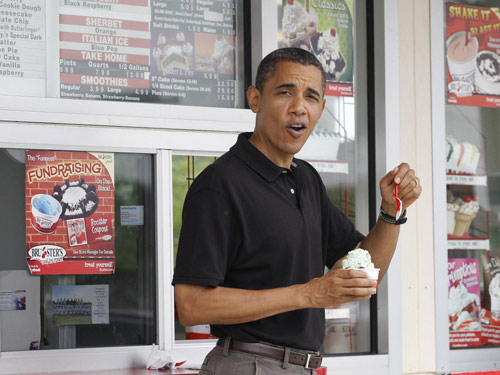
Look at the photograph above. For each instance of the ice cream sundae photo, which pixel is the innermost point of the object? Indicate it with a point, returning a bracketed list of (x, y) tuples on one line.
[(223, 56), (326, 48), (463, 309), (298, 26), (173, 53), (487, 76), (461, 213), (494, 290), (77, 199), (462, 157)]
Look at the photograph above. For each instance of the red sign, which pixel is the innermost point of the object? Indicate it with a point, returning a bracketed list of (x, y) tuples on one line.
[(70, 209), (473, 55)]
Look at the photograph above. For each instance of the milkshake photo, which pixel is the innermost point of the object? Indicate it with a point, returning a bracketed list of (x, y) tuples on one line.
[(461, 52)]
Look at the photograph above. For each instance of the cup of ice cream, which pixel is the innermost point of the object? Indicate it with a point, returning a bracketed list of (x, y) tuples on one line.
[(45, 212), (487, 75), (494, 290), (360, 259), (461, 56)]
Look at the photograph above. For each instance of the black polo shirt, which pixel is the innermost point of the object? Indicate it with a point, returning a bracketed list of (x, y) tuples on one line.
[(248, 223)]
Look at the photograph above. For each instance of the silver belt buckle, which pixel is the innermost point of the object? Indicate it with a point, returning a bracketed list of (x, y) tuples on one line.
[(307, 362)]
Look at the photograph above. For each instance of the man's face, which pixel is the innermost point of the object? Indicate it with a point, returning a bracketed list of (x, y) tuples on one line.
[(76, 228), (288, 108)]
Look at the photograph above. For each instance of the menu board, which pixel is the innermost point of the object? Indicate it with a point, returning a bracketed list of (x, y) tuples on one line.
[(193, 52), (326, 30), (70, 212), (22, 48), (176, 52), (104, 49), (472, 55)]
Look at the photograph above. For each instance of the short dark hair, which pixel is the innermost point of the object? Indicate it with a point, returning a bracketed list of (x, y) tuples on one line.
[(268, 64)]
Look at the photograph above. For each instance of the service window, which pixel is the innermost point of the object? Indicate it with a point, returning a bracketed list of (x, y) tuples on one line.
[(77, 243), (171, 52)]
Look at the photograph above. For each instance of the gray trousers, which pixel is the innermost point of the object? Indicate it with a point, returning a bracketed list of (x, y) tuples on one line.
[(222, 361)]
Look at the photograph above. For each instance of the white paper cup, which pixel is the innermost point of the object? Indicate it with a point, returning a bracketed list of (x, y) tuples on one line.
[(462, 70), (43, 223), (372, 274), (495, 304)]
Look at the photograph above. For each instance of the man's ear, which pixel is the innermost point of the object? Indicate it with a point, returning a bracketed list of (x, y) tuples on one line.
[(253, 98)]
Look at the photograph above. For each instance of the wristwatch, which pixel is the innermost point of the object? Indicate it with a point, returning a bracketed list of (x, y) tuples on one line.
[(391, 219)]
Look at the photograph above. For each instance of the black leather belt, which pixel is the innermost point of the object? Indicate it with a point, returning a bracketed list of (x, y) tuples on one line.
[(308, 360)]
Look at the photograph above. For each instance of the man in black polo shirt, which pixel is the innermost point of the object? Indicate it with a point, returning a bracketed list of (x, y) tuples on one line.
[(258, 229)]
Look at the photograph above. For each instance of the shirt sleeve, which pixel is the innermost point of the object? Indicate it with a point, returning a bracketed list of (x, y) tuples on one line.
[(207, 240), (342, 236)]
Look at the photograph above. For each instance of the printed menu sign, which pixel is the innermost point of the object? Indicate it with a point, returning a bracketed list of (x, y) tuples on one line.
[(175, 52), (70, 209), (104, 49), (472, 55), (193, 52), (324, 28), (22, 48), (464, 302)]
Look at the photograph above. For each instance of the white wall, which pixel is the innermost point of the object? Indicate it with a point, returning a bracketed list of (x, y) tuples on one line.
[(416, 242)]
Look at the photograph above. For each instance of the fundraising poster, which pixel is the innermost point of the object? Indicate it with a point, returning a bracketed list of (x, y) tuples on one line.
[(472, 55), (325, 29), (464, 302), (22, 48), (175, 52), (70, 212)]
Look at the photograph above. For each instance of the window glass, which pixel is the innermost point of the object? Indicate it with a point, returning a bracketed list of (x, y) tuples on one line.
[(68, 309), (173, 52), (472, 173), (185, 168), (334, 148)]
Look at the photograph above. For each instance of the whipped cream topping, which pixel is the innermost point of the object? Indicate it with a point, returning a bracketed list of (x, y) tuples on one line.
[(73, 196), (452, 207), (469, 208), (494, 287), (458, 298), (358, 258), (156, 53), (295, 19), (180, 36), (221, 49), (329, 51)]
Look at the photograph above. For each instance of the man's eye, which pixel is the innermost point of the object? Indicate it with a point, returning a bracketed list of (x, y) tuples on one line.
[(284, 93), (313, 97)]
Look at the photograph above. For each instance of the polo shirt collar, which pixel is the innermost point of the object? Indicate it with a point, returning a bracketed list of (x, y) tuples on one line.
[(255, 159)]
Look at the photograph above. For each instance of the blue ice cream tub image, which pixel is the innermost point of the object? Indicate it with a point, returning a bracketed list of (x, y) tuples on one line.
[(45, 212)]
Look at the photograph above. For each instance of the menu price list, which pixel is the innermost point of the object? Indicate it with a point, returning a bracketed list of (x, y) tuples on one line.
[(104, 55), (183, 52), (22, 47), (193, 52)]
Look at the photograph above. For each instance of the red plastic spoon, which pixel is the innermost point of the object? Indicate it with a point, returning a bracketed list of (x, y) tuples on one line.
[(399, 202)]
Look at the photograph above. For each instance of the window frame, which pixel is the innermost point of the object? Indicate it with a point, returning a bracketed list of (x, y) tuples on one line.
[(447, 360), (161, 130)]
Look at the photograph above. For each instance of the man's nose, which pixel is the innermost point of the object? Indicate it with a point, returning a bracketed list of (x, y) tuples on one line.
[(299, 106)]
